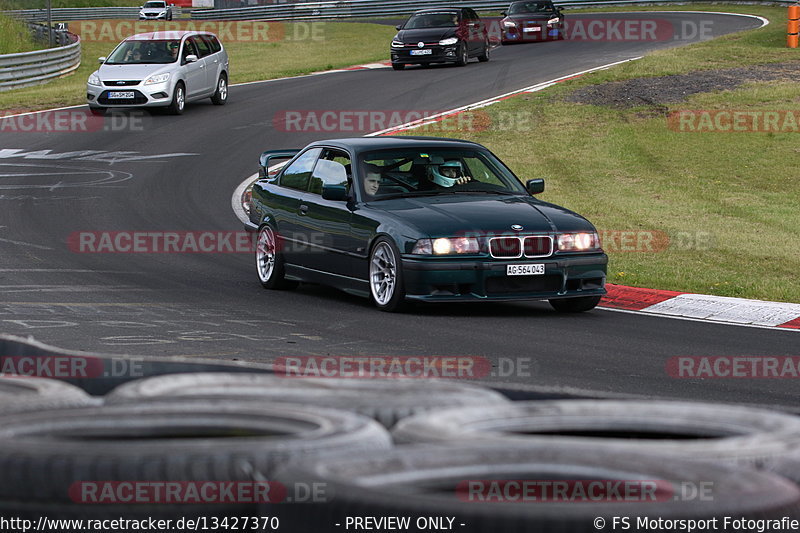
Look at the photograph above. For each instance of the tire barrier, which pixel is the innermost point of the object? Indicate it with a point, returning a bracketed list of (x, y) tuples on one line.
[(711, 432), (537, 487), (385, 400), (61, 462)]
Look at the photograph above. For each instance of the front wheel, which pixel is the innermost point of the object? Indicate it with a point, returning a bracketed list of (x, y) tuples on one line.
[(386, 276), (178, 100), (485, 55), (575, 305), (462, 55), (221, 94), (269, 261)]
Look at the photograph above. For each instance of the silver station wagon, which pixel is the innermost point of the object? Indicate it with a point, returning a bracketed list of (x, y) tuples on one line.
[(160, 69)]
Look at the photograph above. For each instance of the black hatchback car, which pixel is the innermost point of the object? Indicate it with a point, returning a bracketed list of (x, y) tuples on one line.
[(533, 20), (443, 35)]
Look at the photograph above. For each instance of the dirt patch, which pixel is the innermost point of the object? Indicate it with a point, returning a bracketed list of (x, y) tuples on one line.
[(670, 89)]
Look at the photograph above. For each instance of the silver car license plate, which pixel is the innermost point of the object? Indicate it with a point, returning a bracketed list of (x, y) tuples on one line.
[(525, 270), (120, 95)]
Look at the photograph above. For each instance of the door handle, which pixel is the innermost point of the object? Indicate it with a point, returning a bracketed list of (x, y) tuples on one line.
[(303, 209)]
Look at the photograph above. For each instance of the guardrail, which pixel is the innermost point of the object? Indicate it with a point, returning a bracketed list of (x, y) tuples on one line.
[(387, 8), (34, 68), (82, 13)]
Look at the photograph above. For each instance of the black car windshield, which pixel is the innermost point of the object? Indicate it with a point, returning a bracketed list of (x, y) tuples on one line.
[(155, 4), (134, 51), (434, 171), (443, 19), (519, 8)]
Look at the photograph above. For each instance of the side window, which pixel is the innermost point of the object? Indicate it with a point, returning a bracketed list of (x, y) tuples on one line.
[(296, 175), (202, 46), (188, 49), (333, 168), (213, 43)]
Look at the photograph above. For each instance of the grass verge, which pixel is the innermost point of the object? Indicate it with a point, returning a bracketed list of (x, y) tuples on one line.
[(729, 202), (15, 37), (287, 50)]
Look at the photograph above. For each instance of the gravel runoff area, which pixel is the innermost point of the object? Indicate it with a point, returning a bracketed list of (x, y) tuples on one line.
[(667, 89)]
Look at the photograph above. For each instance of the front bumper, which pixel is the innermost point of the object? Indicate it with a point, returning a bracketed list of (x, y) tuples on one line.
[(439, 54), (155, 95), (531, 33), (438, 279), (165, 16)]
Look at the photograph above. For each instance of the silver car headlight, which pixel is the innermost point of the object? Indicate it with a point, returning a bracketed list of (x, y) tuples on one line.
[(157, 78), (578, 242), (94, 79), (447, 246), (448, 41)]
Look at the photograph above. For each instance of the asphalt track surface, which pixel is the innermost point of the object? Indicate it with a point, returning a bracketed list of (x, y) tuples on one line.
[(178, 173)]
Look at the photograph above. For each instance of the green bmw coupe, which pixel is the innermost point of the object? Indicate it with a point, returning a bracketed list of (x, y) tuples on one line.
[(403, 219)]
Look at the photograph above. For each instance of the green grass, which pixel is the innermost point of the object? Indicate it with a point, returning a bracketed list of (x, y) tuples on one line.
[(729, 202), (291, 49), (15, 37)]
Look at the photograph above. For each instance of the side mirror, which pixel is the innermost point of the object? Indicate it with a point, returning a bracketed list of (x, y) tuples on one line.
[(334, 192), (102, 59), (399, 27), (191, 58), (535, 186)]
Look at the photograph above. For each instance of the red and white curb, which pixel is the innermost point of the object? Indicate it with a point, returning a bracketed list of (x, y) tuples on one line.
[(703, 307)]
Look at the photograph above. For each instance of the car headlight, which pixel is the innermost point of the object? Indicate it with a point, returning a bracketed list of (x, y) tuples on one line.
[(578, 242), (142, 13), (397, 44), (163, 13), (447, 246), (448, 41), (554, 20), (158, 78), (509, 24), (94, 79)]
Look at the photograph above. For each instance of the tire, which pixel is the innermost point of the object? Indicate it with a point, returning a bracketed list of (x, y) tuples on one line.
[(398, 66), (463, 57), (712, 432), (178, 100), (269, 261), (484, 57), (19, 394), (386, 276), (43, 454), (441, 481), (99, 111), (575, 305), (385, 400), (221, 94)]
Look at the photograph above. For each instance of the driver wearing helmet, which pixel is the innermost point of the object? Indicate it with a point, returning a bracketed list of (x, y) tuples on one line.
[(448, 174)]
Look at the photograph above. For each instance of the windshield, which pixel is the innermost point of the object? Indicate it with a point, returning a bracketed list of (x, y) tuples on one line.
[(421, 172), (154, 5), (145, 52), (444, 19), (530, 7)]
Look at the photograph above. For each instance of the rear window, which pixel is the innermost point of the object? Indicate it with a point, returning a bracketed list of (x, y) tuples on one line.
[(213, 43)]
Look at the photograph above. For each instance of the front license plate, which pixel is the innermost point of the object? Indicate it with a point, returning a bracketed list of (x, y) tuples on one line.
[(533, 28), (126, 95), (421, 52), (525, 270)]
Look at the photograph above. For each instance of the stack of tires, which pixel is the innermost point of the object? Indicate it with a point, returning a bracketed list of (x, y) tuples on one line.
[(436, 455)]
